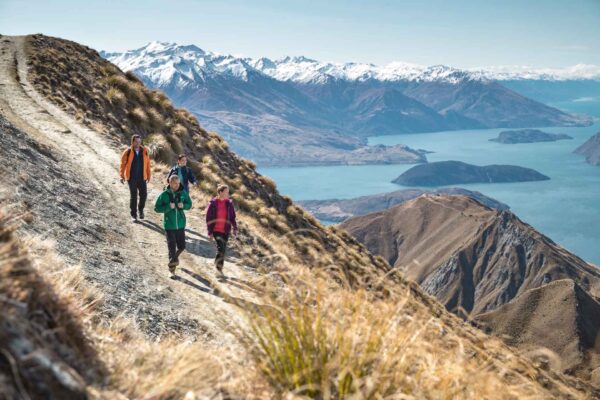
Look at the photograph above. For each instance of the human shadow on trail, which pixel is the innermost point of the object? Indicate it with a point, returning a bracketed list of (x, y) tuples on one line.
[(151, 225), (198, 277), (195, 286), (241, 284)]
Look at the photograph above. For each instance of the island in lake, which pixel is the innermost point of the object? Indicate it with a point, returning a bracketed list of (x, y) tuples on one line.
[(591, 150), (339, 210), (457, 172), (528, 136)]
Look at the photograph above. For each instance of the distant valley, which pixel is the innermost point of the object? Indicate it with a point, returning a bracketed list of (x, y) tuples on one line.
[(299, 111)]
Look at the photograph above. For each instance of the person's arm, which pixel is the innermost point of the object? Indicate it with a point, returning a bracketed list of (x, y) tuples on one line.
[(192, 177), (233, 219), (210, 220), (147, 164), (124, 159), (187, 201), (162, 204)]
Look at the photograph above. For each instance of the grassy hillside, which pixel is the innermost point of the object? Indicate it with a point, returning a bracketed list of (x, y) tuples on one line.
[(333, 321)]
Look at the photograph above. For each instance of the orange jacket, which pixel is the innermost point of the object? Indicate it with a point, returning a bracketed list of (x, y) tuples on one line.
[(127, 159)]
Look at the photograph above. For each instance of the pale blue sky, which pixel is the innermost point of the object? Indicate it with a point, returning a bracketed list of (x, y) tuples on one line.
[(461, 33)]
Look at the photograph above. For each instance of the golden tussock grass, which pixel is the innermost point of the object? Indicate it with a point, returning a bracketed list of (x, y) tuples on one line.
[(320, 339), (179, 130), (116, 96)]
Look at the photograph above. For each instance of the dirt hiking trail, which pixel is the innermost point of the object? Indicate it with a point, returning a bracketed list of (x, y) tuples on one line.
[(78, 202)]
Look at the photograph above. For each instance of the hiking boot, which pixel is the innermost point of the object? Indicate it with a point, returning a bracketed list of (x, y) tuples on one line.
[(141, 214), (173, 263), (134, 219)]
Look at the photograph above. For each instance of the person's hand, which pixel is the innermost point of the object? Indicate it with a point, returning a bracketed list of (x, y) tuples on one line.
[(172, 205), (122, 181), (180, 205), (210, 237)]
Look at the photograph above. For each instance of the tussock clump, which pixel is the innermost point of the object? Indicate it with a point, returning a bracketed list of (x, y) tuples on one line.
[(139, 116), (155, 118), (116, 96), (159, 148), (179, 130), (44, 349)]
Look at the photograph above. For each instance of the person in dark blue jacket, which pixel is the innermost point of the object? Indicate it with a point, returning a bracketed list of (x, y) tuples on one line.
[(185, 173)]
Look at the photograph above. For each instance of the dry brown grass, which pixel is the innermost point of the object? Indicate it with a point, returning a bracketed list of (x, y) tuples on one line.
[(320, 339), (116, 96)]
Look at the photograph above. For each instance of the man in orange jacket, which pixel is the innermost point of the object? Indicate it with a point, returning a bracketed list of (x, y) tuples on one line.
[(135, 169)]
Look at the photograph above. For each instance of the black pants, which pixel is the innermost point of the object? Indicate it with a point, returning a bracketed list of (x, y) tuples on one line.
[(135, 187), (175, 242), (221, 241)]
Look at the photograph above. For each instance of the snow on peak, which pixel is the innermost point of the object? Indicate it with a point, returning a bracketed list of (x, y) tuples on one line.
[(521, 72)]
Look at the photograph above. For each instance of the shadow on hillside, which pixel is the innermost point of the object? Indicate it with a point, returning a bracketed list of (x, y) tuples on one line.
[(208, 290), (151, 225), (241, 284), (198, 277)]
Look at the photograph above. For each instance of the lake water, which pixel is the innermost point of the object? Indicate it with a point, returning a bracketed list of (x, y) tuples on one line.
[(566, 208)]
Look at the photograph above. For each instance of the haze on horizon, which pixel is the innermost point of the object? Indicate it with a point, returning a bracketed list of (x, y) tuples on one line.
[(462, 33)]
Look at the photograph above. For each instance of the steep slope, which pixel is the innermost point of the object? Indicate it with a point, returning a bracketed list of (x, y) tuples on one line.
[(487, 265), (46, 353), (591, 150), (338, 210), (467, 255), (559, 316), (81, 112)]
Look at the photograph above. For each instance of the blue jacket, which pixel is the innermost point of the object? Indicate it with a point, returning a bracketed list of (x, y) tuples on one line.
[(186, 176)]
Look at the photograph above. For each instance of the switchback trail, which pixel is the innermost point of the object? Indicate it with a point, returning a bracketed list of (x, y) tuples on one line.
[(75, 193)]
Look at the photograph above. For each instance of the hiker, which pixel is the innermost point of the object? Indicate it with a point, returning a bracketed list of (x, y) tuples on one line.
[(185, 173), (220, 219), (173, 202), (135, 169)]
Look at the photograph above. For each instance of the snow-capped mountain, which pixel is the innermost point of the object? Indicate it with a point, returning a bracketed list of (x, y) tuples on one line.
[(275, 111), (162, 62)]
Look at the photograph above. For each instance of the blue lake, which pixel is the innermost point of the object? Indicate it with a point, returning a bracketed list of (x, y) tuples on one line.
[(566, 208)]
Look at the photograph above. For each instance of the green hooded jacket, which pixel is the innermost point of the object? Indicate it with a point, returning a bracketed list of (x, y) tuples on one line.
[(174, 218)]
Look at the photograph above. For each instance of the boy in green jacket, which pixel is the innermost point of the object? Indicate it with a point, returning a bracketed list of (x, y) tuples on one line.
[(172, 203)]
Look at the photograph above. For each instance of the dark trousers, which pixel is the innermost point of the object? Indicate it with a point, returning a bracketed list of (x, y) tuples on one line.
[(221, 242), (175, 242), (135, 187)]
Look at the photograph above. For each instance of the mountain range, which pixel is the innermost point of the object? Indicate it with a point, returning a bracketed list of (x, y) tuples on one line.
[(296, 110)]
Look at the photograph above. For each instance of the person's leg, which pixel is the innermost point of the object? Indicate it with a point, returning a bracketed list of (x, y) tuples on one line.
[(171, 244), (221, 240), (143, 188), (133, 198), (180, 238)]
